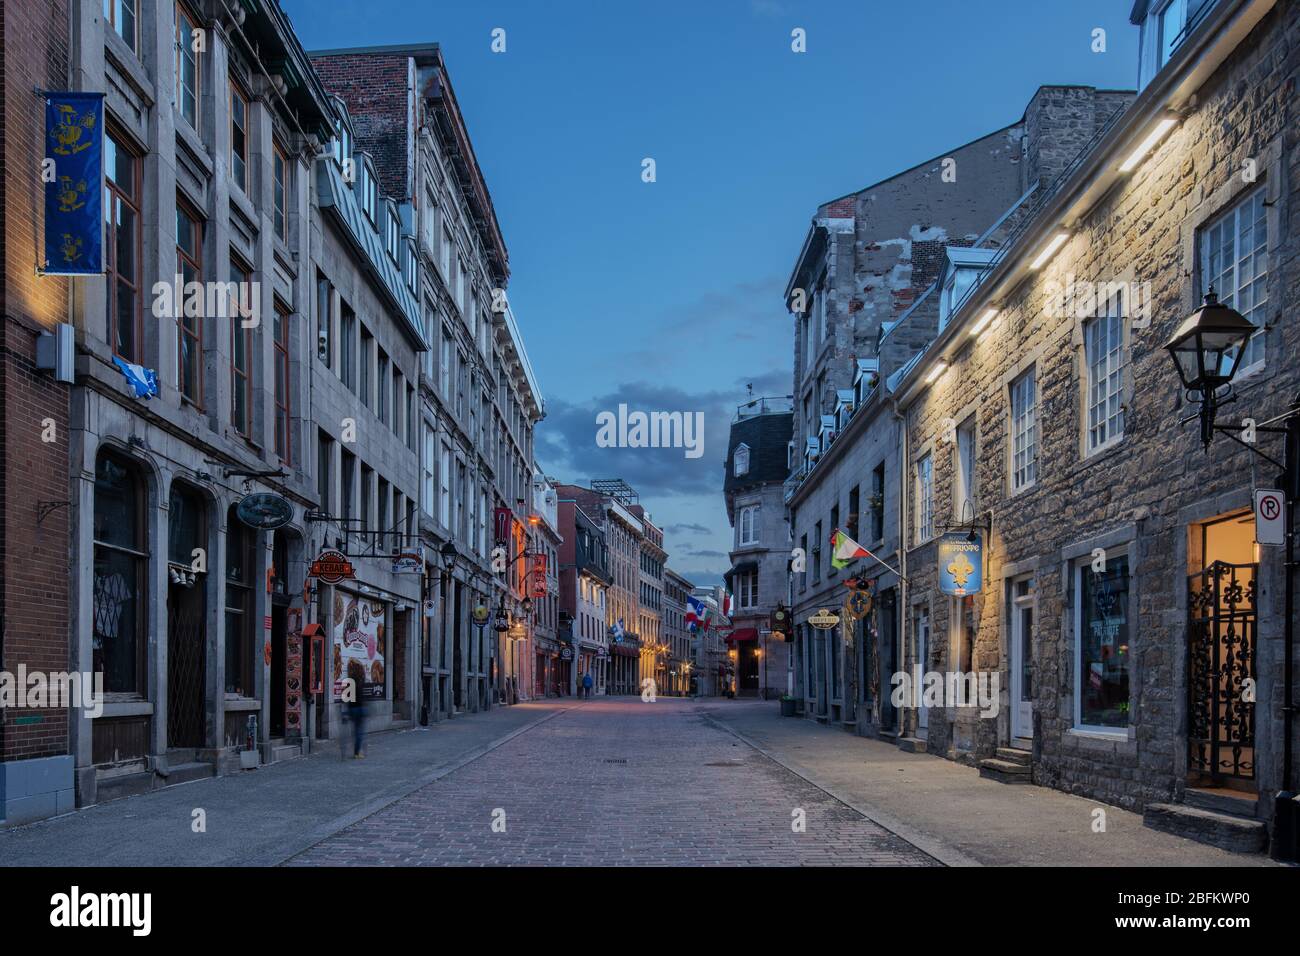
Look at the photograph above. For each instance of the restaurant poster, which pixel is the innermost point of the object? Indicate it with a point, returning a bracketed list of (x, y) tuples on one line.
[(358, 640)]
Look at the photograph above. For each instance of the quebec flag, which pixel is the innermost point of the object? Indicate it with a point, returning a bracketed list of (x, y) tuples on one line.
[(143, 381)]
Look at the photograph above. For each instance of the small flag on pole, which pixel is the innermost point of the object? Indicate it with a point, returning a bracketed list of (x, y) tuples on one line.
[(844, 550)]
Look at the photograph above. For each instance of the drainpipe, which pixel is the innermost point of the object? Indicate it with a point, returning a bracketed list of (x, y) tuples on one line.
[(904, 487)]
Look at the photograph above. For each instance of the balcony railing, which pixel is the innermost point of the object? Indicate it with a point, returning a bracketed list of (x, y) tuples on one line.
[(774, 405)]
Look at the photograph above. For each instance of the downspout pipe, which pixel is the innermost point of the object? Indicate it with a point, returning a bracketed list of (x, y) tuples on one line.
[(904, 487)]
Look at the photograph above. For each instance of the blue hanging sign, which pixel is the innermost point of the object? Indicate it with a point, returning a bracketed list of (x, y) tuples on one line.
[(961, 563), (74, 184)]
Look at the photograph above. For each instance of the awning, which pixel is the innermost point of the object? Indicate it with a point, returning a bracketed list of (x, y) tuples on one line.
[(625, 650), (743, 634)]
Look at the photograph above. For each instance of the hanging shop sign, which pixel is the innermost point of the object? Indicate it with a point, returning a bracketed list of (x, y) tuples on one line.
[(359, 645), (409, 561), (332, 566), (501, 622), (566, 653), (539, 575), (961, 563), (265, 511), (780, 622), (74, 140), (858, 604), (824, 619), (501, 525), (481, 615)]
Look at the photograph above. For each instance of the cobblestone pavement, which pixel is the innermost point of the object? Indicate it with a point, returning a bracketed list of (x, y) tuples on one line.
[(617, 782)]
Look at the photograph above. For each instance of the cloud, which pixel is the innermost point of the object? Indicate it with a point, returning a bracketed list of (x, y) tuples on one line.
[(688, 528)]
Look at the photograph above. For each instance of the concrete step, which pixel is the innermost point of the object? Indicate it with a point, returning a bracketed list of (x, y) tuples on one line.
[(1222, 801), (1224, 830), (1005, 771), (1012, 755), (185, 772), (281, 752), (911, 745)]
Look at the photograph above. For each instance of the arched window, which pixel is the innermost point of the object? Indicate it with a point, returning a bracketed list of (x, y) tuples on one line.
[(120, 574), (741, 460)]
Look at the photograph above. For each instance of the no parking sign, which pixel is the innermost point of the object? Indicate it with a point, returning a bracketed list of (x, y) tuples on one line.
[(1270, 521)]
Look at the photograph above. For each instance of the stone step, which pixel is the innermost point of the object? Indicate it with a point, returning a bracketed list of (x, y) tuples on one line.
[(185, 772), (1224, 830), (911, 745), (1222, 801), (1012, 755), (285, 752), (1004, 771)]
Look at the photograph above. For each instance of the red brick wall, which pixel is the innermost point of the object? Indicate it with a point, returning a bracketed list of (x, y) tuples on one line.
[(34, 559), (374, 87)]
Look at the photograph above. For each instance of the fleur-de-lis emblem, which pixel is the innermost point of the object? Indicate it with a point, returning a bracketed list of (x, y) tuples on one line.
[(70, 247), (69, 193), (67, 133), (961, 569)]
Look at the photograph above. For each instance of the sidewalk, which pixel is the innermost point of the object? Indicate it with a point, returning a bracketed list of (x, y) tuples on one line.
[(262, 817), (950, 811)]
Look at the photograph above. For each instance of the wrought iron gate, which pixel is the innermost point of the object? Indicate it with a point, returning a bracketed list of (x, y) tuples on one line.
[(185, 672), (1221, 632)]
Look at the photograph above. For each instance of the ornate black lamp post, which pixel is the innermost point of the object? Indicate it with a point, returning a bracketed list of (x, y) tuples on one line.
[(1207, 350)]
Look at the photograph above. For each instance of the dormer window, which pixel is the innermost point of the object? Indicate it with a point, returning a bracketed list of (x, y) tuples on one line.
[(342, 137), (740, 461), (412, 267), (963, 269), (392, 231), (369, 188)]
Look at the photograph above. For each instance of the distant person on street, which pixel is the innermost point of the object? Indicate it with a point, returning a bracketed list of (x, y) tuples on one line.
[(357, 714), (586, 684)]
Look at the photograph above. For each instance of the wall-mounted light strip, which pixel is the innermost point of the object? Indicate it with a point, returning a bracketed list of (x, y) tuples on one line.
[(983, 322), (1161, 130), (935, 372), (1057, 241)]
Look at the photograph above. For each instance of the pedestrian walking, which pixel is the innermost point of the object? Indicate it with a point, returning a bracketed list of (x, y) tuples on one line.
[(357, 714), (586, 685)]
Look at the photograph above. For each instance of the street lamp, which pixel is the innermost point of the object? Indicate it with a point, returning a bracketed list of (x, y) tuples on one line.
[(1207, 350)]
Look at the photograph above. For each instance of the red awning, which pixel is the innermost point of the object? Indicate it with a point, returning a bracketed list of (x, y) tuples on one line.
[(743, 634)]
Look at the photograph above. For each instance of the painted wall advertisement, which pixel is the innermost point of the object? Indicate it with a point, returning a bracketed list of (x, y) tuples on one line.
[(358, 645)]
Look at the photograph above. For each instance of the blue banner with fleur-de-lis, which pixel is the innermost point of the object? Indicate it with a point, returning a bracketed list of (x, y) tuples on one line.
[(73, 173)]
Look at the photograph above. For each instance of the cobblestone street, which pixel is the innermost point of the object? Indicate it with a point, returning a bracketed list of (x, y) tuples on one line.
[(618, 782)]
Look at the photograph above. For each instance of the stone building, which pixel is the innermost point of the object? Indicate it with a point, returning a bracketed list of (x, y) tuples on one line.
[(584, 581), (547, 542), (1125, 601), (878, 275), (681, 659), (650, 599), (757, 464), (212, 127), (38, 757), (714, 662), (478, 399)]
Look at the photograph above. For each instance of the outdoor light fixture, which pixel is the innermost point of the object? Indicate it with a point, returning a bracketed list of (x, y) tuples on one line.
[(935, 372), (1148, 144), (983, 322), (1057, 241), (1207, 349)]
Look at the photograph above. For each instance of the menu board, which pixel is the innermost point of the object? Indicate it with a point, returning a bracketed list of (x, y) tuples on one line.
[(293, 689)]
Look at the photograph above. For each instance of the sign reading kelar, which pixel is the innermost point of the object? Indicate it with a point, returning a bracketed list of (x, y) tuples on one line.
[(73, 172), (961, 563)]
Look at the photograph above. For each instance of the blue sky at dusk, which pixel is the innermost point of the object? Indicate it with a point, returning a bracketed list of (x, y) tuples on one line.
[(667, 296)]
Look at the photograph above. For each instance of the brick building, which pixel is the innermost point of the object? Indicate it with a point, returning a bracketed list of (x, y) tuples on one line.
[(36, 766)]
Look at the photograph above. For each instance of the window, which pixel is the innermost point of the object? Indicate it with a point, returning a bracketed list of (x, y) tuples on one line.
[(122, 248), (392, 233), (189, 327), (412, 268), (348, 348), (399, 390), (482, 524), (1172, 19), (324, 455), (280, 172), (367, 488), (878, 503), (121, 17), (444, 493), (120, 590), (851, 526), (446, 256), (1102, 640), (963, 474), (749, 525), (348, 477), (461, 490), (411, 414), (240, 554), (241, 356), (283, 391), (1103, 342), (381, 388), (817, 552), (367, 357), (385, 494), (741, 460), (444, 366), (187, 67), (239, 137), (426, 486), (1234, 262), (369, 191), (924, 500), (1024, 431), (323, 320)]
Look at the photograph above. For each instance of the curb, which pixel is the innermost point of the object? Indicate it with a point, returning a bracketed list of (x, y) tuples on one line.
[(931, 847), (289, 849)]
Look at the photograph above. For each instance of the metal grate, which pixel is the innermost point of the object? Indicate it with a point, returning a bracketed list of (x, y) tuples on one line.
[(1221, 657)]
